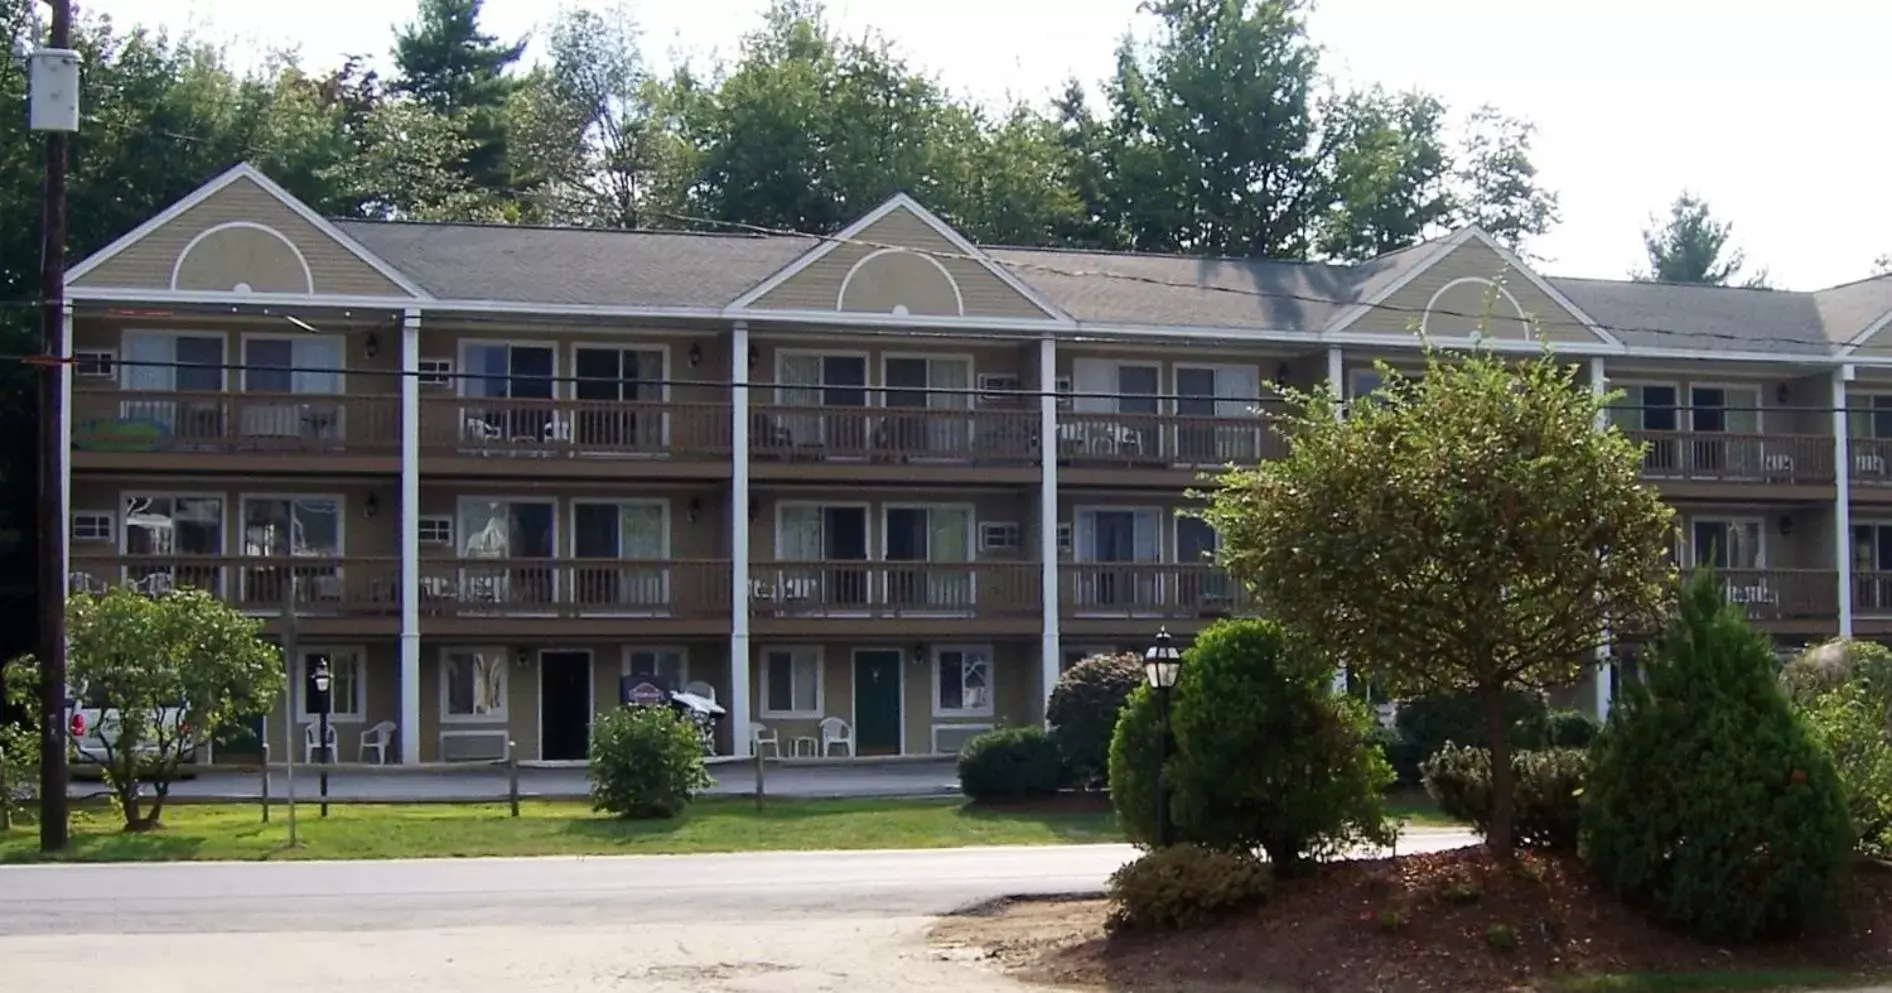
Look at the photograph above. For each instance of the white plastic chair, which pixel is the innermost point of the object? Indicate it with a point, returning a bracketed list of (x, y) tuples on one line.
[(309, 744), (762, 735), (376, 739), (835, 731)]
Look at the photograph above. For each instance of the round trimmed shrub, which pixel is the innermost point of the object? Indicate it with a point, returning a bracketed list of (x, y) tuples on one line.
[(1428, 723), (1184, 886), (1547, 792), (1709, 800), (1569, 729), (1083, 713), (1267, 757), (1010, 764), (646, 762)]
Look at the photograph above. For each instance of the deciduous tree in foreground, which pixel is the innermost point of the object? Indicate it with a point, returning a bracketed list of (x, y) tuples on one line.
[(1469, 530), (165, 673)]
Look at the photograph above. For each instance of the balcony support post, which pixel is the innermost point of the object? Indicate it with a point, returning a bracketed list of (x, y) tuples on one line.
[(1337, 382), (1605, 653), (1050, 650), (410, 537), (739, 737), (1843, 498)]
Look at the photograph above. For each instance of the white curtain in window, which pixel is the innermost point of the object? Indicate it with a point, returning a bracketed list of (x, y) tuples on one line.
[(486, 526), (950, 530), (310, 356), (949, 374), (1148, 540), (153, 348), (1237, 389), (1098, 378), (1084, 537), (476, 683), (801, 535), (641, 531)]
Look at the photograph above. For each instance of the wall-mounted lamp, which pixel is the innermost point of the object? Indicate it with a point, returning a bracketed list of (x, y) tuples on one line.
[(371, 506), (1786, 525), (696, 355), (919, 653), (696, 509), (372, 345), (1281, 373), (523, 658), (1780, 393)]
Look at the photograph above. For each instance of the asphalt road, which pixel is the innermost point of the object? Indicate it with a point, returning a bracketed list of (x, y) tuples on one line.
[(782, 922)]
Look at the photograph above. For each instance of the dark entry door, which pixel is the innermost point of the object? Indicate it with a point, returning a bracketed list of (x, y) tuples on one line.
[(564, 705), (877, 701)]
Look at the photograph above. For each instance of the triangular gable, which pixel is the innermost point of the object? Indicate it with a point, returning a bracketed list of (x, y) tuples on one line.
[(1469, 281), (900, 259), (241, 234)]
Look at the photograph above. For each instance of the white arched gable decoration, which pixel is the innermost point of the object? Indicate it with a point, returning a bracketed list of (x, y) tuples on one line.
[(308, 276), (1524, 322), (840, 298)]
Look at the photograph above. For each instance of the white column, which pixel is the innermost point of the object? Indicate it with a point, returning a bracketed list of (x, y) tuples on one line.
[(1050, 652), (1337, 382), (1605, 655), (1843, 498), (739, 540), (410, 537)]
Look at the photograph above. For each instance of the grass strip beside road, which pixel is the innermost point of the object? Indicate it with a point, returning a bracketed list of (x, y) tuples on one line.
[(226, 832)]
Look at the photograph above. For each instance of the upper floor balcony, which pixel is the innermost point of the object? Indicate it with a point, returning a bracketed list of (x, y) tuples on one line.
[(1739, 459), (178, 429), (476, 435)]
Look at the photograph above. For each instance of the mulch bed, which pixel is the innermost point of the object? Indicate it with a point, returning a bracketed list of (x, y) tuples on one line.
[(1417, 923)]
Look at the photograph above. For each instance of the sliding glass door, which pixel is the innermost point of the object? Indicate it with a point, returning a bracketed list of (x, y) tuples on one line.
[(620, 548), (625, 386), (508, 548), (516, 375)]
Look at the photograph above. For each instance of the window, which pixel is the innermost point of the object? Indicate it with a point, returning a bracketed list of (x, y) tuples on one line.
[(1725, 544), (661, 667), (348, 684), (166, 360), (506, 370), (436, 531), (1196, 542), (1646, 407), (506, 529), (1872, 567), (962, 680), (97, 363), (909, 380), (93, 525), (292, 526), (292, 364), (1724, 409), (434, 372), (1870, 416), (810, 533), (1117, 387), (999, 389), (996, 536), (473, 685), (1064, 538), (1062, 387), (1362, 383), (1126, 535), (621, 532), (791, 682), (927, 534), (173, 525), (618, 373)]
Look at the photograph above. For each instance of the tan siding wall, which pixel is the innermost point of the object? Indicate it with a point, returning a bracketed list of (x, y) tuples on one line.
[(1402, 312), (1014, 689), (365, 375), (904, 279), (234, 256)]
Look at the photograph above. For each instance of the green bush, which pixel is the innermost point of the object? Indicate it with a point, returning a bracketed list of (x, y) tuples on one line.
[(1709, 801), (1547, 792), (646, 762), (19, 735), (1009, 764), (1568, 729), (1427, 723), (1844, 690), (1184, 886), (1400, 753), (1083, 713), (1267, 756)]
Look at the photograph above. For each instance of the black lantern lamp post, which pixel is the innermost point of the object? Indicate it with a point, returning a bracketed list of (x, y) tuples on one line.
[(322, 680), (1162, 663)]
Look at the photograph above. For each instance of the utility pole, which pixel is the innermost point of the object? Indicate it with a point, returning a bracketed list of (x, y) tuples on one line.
[(54, 109)]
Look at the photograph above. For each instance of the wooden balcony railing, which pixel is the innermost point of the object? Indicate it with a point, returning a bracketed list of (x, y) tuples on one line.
[(486, 587), (1736, 458), (1148, 589), (318, 586), (249, 423), (1165, 440), (517, 427), (1872, 461), (1782, 594), (1872, 594), (983, 435), (895, 589)]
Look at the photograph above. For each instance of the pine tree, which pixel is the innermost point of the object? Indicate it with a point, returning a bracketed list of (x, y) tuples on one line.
[(454, 69)]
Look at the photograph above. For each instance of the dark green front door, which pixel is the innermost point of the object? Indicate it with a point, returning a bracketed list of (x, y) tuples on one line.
[(877, 701)]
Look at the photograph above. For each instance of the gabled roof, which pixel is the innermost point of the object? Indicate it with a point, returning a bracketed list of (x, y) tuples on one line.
[(1701, 318)]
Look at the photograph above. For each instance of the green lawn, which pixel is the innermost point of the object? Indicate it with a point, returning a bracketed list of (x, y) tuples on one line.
[(235, 831), (1415, 807), (1713, 982)]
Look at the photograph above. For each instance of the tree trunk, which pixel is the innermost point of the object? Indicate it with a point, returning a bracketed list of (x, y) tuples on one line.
[(1498, 834)]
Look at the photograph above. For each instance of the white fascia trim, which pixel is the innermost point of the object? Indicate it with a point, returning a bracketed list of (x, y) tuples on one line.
[(1516, 264), (1440, 250), (1859, 340), (740, 307), (103, 294), (244, 170)]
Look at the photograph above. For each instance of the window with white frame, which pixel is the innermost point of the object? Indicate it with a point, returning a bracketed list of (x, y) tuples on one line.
[(173, 525), (1726, 544), (299, 526), (962, 682), (998, 536), (347, 687), (661, 667), (791, 682), (999, 389), (95, 363), (436, 530), (473, 685), (1646, 407), (93, 525), (309, 364), (172, 360), (434, 373)]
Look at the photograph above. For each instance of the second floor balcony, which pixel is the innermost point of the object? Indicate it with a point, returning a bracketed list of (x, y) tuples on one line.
[(1746, 459), (471, 427), (188, 424)]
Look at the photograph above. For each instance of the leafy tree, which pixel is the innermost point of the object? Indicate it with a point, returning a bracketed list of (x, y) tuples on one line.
[(1843, 688), (165, 672), (1882, 265), (454, 69), (19, 732), (646, 763), (1692, 247), (1498, 185), (1708, 800), (1388, 173), (1467, 531)]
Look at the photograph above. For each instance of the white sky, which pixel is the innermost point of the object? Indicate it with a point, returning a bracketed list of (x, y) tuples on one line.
[(1774, 112)]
